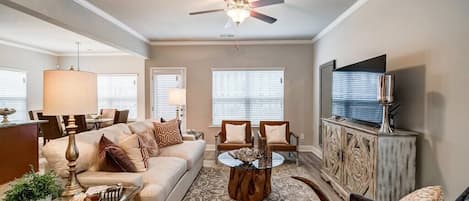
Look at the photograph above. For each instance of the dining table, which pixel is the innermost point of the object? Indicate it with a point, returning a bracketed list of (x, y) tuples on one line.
[(98, 122)]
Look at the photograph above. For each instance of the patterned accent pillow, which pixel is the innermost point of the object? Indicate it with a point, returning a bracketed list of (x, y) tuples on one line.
[(133, 147), (112, 158), (167, 133), (430, 193), (149, 143)]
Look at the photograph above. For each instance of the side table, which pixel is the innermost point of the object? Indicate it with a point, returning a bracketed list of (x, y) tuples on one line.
[(199, 135)]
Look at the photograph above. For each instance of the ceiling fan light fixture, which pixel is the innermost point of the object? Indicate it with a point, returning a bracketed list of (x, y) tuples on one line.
[(238, 11)]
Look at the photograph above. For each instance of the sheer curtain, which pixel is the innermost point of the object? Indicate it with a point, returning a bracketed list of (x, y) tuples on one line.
[(13, 93), (118, 91), (253, 95)]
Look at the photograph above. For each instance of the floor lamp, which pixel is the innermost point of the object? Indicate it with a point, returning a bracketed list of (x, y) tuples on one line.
[(177, 97), (70, 92)]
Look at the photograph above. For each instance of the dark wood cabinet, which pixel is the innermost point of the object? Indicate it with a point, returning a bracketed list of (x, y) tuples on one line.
[(18, 149)]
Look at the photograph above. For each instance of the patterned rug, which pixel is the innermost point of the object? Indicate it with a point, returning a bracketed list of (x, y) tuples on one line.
[(212, 185)]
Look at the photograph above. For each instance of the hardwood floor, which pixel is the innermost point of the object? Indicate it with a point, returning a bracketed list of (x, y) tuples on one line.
[(307, 160)]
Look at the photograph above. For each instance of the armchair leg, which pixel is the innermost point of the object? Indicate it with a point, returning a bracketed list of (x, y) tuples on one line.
[(216, 156)]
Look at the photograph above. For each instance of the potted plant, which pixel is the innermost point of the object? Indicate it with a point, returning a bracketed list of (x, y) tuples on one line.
[(34, 187)]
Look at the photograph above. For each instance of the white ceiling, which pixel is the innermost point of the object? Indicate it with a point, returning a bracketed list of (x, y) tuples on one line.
[(169, 19), (25, 30)]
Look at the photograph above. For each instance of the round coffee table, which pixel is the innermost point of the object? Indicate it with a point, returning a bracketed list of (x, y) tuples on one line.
[(250, 182)]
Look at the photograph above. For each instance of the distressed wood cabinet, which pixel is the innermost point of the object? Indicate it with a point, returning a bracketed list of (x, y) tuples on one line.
[(358, 160)]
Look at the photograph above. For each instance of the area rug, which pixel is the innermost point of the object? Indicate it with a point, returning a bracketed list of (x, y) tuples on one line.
[(212, 185)]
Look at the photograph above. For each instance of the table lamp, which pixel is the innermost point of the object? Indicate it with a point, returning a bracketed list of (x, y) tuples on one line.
[(70, 92), (386, 98), (177, 97)]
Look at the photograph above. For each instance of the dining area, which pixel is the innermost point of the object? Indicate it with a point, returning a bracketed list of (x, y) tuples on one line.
[(55, 126)]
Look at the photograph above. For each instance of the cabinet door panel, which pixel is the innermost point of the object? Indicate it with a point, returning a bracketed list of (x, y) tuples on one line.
[(332, 150), (359, 163)]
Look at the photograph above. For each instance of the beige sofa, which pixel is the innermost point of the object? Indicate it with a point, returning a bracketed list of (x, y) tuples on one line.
[(168, 177)]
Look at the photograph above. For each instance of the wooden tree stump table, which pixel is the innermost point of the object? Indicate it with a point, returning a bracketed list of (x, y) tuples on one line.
[(250, 182)]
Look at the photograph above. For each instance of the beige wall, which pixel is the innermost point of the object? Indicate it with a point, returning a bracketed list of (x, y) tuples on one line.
[(116, 65), (427, 46), (296, 59), (31, 62)]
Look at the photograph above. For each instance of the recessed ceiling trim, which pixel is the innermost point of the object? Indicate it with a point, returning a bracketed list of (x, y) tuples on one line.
[(27, 47), (339, 19), (110, 18), (245, 42), (92, 54)]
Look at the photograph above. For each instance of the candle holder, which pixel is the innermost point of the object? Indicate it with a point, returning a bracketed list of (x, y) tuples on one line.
[(385, 98)]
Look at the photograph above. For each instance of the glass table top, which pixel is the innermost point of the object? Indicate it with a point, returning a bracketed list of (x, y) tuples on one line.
[(262, 163)]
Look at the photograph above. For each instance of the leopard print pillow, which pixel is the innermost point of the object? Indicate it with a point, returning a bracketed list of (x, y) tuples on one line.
[(167, 133), (430, 193)]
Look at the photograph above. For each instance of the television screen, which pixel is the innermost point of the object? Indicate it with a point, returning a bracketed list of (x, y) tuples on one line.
[(355, 88)]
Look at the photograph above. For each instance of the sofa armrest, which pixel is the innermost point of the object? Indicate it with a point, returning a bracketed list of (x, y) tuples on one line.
[(91, 178), (187, 137)]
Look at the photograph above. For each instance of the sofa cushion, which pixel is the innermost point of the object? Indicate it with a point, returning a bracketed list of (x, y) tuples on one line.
[(135, 150), (142, 126), (91, 178), (113, 132), (152, 192), (191, 151), (164, 172), (149, 143), (54, 152)]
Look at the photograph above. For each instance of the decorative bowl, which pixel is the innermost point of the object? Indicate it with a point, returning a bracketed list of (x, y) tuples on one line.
[(5, 112), (246, 155)]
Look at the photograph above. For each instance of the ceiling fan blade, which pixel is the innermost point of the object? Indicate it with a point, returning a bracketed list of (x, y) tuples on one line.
[(261, 3), (263, 17), (206, 11), (228, 24)]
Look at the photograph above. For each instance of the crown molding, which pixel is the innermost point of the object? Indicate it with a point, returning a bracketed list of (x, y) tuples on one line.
[(94, 54), (110, 18), (27, 47), (339, 19), (231, 42)]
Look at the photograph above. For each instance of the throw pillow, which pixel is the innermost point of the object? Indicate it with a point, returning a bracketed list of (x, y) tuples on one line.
[(276, 134), (162, 120), (149, 143), (167, 133), (235, 133), (133, 147), (430, 193), (112, 158)]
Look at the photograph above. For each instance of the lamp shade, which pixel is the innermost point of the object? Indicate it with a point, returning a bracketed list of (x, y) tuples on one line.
[(177, 96), (68, 92)]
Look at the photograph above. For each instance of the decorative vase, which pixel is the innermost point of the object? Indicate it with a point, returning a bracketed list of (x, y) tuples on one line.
[(5, 112)]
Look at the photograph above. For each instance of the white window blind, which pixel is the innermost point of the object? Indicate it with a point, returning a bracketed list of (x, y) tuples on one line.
[(162, 82), (118, 91), (253, 95), (13, 93)]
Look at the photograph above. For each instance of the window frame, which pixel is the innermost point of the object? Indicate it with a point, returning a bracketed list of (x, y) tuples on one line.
[(136, 91), (211, 125), (167, 70), (20, 70)]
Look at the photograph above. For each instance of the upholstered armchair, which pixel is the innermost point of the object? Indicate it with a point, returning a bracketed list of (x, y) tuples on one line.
[(220, 139), (288, 146)]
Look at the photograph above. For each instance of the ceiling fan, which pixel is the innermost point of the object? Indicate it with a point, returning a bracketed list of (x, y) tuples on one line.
[(239, 10)]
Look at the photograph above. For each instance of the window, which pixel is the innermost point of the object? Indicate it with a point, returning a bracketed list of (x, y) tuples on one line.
[(253, 95), (13, 93), (164, 79), (118, 91)]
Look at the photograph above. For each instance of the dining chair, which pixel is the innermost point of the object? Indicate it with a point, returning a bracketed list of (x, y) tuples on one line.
[(289, 146), (122, 116), (33, 116), (220, 138), (80, 121), (52, 129), (107, 114)]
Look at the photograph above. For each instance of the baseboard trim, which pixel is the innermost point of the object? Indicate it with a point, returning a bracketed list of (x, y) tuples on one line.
[(317, 151), (302, 148)]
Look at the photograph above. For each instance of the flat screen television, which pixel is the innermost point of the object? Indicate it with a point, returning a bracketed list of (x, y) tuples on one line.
[(355, 88)]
